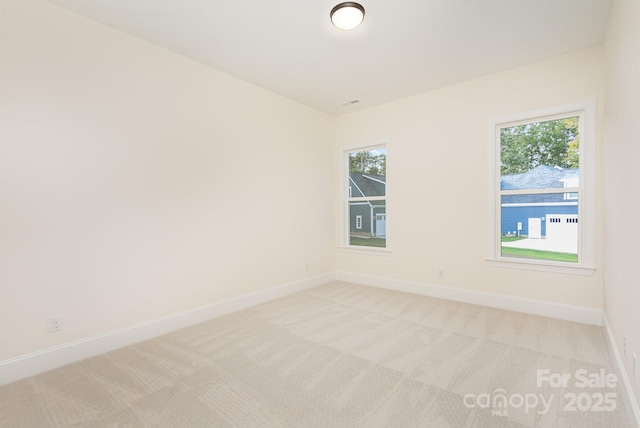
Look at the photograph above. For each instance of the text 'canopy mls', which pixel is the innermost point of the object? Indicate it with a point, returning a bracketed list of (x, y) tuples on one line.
[(553, 143)]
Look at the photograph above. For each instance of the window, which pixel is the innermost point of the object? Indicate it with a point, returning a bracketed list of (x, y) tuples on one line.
[(365, 182), (570, 182), (542, 189)]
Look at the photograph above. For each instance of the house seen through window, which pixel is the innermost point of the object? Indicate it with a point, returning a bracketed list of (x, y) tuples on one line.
[(539, 214), (367, 200)]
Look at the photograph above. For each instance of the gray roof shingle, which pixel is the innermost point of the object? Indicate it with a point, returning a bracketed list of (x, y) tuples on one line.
[(540, 177), (368, 185)]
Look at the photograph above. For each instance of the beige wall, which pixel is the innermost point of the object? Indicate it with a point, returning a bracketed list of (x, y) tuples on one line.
[(622, 198), (438, 179), (136, 183)]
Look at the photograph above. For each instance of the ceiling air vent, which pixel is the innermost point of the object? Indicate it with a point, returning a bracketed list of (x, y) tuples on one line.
[(350, 103)]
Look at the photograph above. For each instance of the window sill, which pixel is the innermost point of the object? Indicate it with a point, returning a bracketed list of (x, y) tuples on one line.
[(364, 250), (576, 269)]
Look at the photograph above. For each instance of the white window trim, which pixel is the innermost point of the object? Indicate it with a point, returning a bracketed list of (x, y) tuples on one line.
[(586, 110), (343, 159), (358, 222)]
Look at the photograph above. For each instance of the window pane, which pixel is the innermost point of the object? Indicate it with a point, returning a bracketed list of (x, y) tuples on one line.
[(367, 173), (542, 226), (540, 155), (368, 223)]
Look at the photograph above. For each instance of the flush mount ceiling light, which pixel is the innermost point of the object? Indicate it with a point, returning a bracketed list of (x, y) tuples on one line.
[(347, 15)]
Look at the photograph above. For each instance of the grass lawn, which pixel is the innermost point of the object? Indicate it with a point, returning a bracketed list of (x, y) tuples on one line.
[(538, 254), (368, 242), (512, 238)]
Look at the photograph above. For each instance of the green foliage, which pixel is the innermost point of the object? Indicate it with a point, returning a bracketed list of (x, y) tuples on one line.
[(372, 162), (553, 143)]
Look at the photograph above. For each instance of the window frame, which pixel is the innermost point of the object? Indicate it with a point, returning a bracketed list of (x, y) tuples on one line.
[(586, 112), (346, 197)]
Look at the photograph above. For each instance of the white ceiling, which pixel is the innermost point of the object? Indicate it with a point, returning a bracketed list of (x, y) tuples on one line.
[(403, 47)]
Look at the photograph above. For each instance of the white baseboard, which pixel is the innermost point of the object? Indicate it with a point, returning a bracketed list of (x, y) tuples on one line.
[(31, 364), (630, 402), (47, 359), (579, 314)]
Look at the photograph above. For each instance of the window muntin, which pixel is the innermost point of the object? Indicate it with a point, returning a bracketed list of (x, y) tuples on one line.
[(366, 204)]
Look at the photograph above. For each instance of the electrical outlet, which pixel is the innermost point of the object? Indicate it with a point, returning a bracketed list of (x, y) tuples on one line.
[(440, 273), (307, 267), (55, 324), (624, 345)]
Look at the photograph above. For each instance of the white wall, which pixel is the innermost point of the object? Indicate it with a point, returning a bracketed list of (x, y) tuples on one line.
[(136, 183), (622, 198), (438, 179)]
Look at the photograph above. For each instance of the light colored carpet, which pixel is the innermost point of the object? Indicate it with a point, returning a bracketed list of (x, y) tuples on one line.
[(339, 355)]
